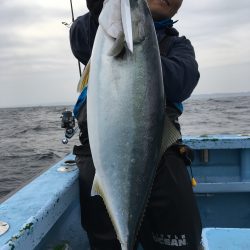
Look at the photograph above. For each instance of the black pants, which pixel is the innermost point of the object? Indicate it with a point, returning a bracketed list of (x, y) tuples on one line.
[(171, 221)]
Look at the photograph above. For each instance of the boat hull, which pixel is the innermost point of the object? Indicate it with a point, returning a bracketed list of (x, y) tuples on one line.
[(46, 213)]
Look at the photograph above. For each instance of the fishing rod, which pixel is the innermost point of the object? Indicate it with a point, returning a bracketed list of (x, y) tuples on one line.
[(72, 11), (73, 19), (67, 118)]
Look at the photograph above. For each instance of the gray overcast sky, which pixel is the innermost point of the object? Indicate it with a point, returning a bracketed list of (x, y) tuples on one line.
[(37, 66)]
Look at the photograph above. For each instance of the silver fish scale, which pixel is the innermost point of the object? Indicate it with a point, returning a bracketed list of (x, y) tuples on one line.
[(125, 121)]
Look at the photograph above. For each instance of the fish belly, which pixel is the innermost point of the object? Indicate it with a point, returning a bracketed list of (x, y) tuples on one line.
[(125, 113)]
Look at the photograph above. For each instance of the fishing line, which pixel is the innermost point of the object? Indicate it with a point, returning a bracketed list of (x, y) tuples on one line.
[(73, 19), (72, 11)]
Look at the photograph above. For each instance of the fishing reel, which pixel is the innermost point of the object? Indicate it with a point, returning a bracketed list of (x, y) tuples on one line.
[(68, 122)]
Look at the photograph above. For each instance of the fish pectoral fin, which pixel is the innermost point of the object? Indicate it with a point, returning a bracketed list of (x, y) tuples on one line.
[(95, 188), (118, 45), (170, 135)]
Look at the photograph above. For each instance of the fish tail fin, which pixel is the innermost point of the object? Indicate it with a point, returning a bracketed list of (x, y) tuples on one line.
[(127, 23), (115, 20)]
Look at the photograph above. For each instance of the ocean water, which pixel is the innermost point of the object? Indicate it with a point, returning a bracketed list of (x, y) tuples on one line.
[(30, 138)]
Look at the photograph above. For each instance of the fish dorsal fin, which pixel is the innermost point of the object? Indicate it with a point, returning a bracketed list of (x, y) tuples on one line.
[(127, 23)]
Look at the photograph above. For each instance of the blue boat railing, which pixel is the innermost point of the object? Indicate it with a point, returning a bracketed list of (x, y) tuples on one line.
[(45, 214), (221, 163)]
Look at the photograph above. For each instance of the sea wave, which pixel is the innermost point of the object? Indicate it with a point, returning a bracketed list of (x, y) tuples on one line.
[(30, 138)]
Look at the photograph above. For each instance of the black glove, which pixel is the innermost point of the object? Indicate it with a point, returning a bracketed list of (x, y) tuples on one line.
[(95, 7)]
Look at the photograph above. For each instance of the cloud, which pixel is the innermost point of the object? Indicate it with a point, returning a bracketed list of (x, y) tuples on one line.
[(224, 79), (36, 63), (18, 14), (35, 54), (219, 30), (33, 37)]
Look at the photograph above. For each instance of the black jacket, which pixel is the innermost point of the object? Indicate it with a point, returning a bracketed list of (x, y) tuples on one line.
[(179, 67)]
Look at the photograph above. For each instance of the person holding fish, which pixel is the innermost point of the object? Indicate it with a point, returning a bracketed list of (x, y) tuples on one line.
[(134, 184)]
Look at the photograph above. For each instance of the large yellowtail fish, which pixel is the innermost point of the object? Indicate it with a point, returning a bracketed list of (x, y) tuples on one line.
[(125, 112)]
